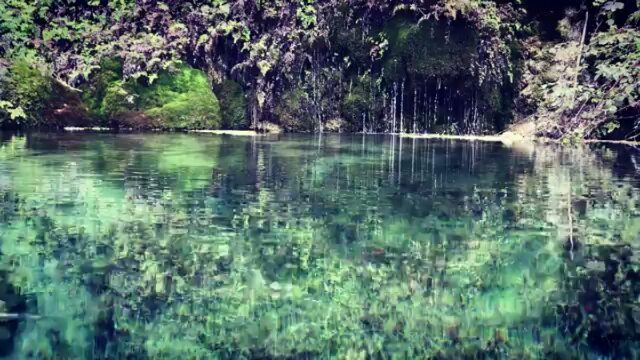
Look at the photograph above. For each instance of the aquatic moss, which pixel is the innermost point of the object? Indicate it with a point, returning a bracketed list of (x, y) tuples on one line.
[(289, 269)]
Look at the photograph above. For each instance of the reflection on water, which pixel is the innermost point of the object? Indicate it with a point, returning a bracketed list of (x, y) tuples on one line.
[(354, 247)]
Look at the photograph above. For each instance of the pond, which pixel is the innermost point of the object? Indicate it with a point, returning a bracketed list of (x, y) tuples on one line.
[(180, 246)]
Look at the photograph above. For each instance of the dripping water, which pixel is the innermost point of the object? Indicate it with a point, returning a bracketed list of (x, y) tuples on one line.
[(401, 109)]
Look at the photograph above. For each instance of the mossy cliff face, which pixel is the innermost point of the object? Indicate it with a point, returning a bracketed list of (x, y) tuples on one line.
[(177, 99)]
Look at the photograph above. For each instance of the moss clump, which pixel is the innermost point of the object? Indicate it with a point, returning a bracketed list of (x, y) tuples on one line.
[(178, 99), (181, 100), (233, 105)]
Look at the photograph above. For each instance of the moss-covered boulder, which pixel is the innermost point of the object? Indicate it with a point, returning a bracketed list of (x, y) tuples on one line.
[(181, 98)]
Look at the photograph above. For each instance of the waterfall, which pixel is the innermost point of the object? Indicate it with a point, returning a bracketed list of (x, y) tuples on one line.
[(364, 124), (402, 108), (435, 102), (465, 115), (445, 103), (449, 109), (385, 120), (372, 100), (415, 107), (426, 105), (475, 110), (394, 104), (315, 96)]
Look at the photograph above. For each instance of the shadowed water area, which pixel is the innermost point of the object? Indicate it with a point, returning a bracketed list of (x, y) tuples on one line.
[(300, 247)]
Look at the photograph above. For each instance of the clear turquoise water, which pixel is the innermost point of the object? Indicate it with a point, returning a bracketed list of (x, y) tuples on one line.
[(180, 246)]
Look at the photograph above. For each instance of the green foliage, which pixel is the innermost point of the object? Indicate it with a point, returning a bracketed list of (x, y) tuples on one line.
[(25, 91), (274, 47), (278, 48), (101, 92), (616, 62), (306, 13), (18, 24), (598, 97)]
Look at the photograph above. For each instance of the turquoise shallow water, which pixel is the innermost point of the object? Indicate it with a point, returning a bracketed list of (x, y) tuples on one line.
[(175, 246)]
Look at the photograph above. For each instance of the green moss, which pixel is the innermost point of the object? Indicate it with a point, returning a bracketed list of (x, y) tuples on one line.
[(178, 99), (233, 105)]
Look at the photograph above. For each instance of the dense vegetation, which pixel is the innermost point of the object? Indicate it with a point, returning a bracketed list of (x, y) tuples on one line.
[(446, 66)]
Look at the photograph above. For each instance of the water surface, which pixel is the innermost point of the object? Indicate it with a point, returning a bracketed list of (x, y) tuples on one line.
[(182, 246)]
